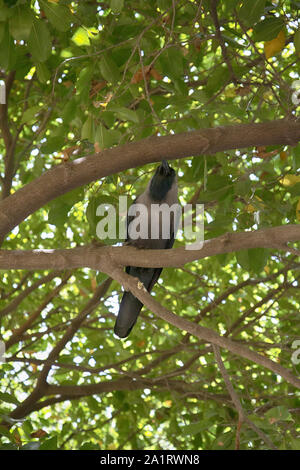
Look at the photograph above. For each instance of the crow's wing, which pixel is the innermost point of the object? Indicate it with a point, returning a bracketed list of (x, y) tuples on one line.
[(130, 306), (157, 271)]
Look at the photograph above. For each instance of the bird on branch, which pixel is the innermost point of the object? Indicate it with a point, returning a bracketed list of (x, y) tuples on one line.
[(151, 224)]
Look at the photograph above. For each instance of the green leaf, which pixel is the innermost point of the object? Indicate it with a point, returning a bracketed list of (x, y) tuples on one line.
[(88, 130), (297, 41), (49, 444), (21, 22), (5, 432), (5, 12), (267, 29), (251, 10), (2, 31), (89, 446), (69, 111), (193, 428), (8, 398), (229, 6), (125, 114), (278, 413), (61, 206), (101, 277), (107, 137), (163, 5), (72, 197), (43, 72), (94, 203), (30, 115), (93, 218), (10, 3), (253, 260), (8, 447), (81, 37), (242, 187), (171, 62), (59, 15), (216, 182), (217, 80), (108, 118), (39, 41), (83, 82), (109, 69), (53, 144), (116, 6), (295, 443), (58, 214), (294, 190), (7, 51), (91, 214), (38, 166), (242, 258)]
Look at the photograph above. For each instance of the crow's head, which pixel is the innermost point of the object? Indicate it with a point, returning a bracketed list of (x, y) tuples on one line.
[(162, 181)]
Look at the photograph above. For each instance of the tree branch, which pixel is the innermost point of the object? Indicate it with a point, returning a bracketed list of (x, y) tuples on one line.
[(100, 258), (214, 15), (200, 332), (236, 401), (42, 386), (18, 333), (67, 176), (23, 294)]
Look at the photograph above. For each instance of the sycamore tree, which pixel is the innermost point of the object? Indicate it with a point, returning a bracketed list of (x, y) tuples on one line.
[(93, 95)]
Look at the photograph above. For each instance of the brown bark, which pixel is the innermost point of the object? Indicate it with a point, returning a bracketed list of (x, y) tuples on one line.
[(101, 258), (67, 176)]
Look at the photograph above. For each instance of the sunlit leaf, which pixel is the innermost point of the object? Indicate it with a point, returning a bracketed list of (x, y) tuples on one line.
[(274, 46), (81, 37)]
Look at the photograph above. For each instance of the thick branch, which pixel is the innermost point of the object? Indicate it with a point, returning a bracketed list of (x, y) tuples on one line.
[(70, 175), (100, 258), (72, 392), (200, 332)]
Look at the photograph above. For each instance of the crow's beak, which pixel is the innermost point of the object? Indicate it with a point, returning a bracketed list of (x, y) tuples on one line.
[(164, 168)]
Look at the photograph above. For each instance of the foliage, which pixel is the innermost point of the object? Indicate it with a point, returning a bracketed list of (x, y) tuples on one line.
[(90, 75)]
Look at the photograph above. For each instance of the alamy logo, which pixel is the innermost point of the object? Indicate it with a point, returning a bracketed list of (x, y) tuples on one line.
[(296, 354), (2, 352), (296, 93), (2, 92), (158, 221)]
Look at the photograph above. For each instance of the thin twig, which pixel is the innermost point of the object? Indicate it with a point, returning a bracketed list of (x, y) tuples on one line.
[(243, 418)]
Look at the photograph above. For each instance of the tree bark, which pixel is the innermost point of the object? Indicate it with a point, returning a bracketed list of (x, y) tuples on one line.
[(101, 258), (67, 176)]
